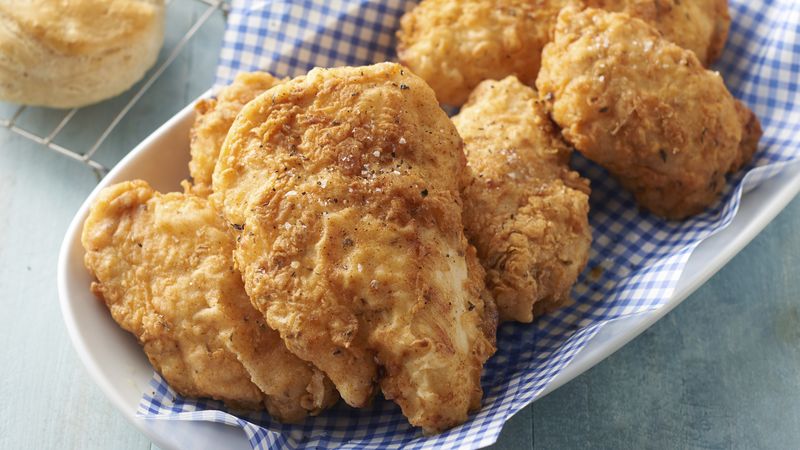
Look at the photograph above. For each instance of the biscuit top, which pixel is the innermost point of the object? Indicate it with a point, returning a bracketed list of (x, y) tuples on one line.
[(77, 27)]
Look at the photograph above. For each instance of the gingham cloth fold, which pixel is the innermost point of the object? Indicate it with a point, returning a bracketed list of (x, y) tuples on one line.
[(636, 259)]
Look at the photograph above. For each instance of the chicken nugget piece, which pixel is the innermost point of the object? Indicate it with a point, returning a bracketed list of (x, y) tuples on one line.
[(525, 211), (697, 25), (344, 186), (455, 44), (164, 267), (213, 119), (645, 109)]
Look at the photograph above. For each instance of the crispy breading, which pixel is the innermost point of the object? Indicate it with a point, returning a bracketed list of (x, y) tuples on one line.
[(697, 25), (164, 267), (344, 184), (213, 119), (645, 109), (456, 44), (525, 211)]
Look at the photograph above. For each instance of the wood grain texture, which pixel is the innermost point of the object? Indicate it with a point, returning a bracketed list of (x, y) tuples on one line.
[(49, 402), (721, 371)]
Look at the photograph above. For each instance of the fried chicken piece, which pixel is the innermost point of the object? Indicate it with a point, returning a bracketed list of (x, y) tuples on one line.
[(165, 270), (525, 211), (456, 44), (213, 119), (344, 184), (646, 110), (697, 25)]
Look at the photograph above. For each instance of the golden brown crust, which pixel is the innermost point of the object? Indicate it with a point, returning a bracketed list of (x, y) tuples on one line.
[(697, 25), (456, 44), (643, 108), (722, 25), (524, 210), (344, 184), (213, 119), (81, 27), (71, 53), (751, 134), (165, 270)]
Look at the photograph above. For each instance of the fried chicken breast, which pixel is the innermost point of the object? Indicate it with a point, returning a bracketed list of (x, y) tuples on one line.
[(344, 186), (456, 44), (525, 211), (697, 25), (645, 109), (213, 119), (165, 270)]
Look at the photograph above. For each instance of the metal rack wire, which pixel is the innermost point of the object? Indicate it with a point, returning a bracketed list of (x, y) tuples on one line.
[(86, 156)]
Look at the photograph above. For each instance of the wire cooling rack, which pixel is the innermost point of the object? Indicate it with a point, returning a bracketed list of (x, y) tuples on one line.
[(86, 155)]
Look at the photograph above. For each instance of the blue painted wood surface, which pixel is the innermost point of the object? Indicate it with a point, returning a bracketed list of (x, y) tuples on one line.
[(721, 371)]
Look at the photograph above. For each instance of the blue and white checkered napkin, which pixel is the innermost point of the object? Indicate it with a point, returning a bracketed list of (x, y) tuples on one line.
[(636, 258)]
